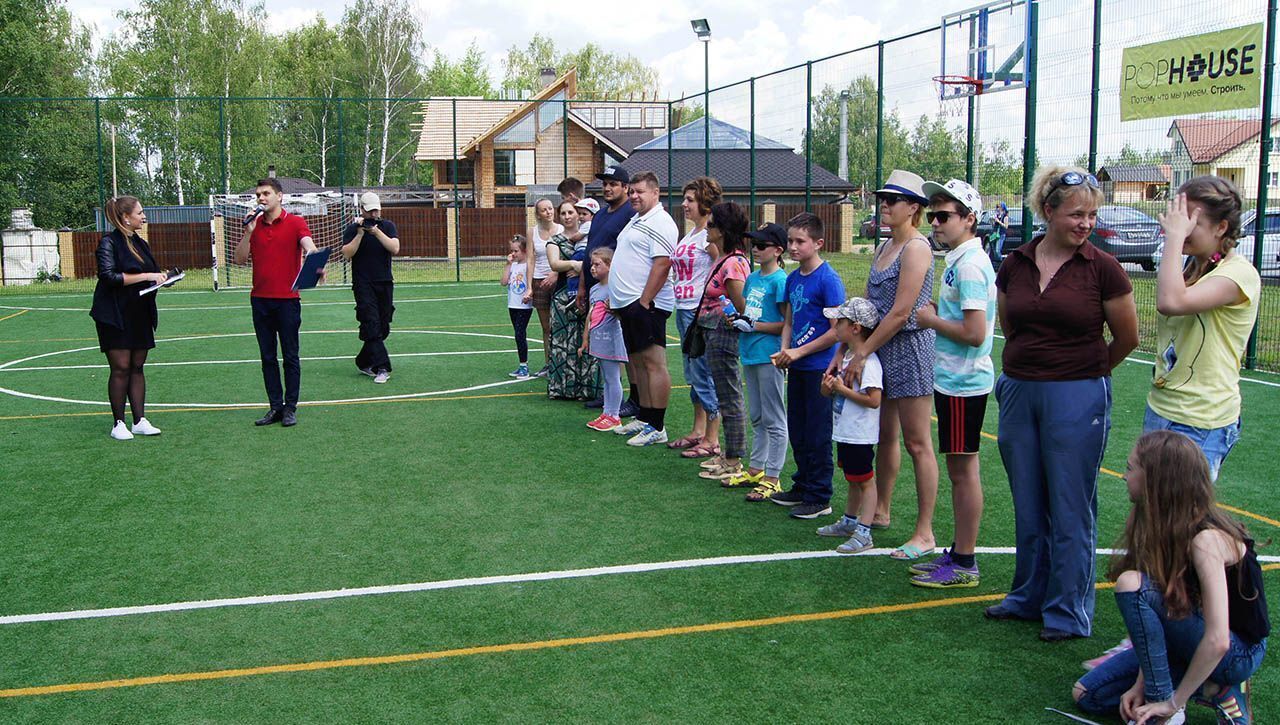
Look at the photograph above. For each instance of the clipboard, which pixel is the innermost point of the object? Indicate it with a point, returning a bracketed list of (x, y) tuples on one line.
[(167, 283), (312, 264)]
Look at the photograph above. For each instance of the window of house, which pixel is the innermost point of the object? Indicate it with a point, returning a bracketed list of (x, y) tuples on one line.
[(508, 200), (522, 132), (605, 118), (655, 117), (583, 114), (465, 174), (1273, 179), (630, 117), (513, 167), (550, 111)]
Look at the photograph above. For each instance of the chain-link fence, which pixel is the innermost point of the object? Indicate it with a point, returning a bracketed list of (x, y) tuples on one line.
[(458, 175)]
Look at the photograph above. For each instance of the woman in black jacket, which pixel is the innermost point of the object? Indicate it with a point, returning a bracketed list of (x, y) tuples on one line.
[(126, 321)]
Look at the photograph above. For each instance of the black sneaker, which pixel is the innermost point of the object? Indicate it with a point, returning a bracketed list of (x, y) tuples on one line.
[(593, 404), (788, 498), (628, 409), (275, 415), (290, 418), (810, 510)]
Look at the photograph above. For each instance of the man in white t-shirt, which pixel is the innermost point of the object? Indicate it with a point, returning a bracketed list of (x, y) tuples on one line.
[(640, 293)]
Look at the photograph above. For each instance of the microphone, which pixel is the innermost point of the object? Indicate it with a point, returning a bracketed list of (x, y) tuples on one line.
[(248, 219)]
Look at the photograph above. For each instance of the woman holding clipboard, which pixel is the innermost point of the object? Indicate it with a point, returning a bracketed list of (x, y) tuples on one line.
[(125, 319)]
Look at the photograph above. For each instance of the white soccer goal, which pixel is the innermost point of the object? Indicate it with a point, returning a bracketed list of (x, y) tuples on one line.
[(326, 214)]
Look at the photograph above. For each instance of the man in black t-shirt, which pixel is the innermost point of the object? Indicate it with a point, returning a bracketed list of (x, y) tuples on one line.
[(369, 242)]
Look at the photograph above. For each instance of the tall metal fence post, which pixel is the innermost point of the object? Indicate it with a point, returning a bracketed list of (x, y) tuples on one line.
[(224, 182), (968, 142), (671, 187), (1093, 87), (97, 119), (875, 237), (751, 102), (564, 123), (457, 207), (342, 151), (706, 107), (1029, 117), (808, 135), (1264, 164)]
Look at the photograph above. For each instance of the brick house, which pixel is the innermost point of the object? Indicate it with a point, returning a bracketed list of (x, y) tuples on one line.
[(1222, 147)]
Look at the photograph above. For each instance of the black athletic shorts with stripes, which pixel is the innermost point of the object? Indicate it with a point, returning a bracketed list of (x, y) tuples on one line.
[(959, 422)]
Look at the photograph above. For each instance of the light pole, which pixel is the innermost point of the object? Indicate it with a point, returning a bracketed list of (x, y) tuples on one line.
[(703, 30), (844, 134)]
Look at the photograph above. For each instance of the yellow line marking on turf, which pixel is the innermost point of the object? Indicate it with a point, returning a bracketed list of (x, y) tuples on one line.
[(10, 317), (495, 648)]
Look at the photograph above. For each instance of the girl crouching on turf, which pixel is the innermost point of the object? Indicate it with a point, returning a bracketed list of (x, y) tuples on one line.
[(604, 341), (1189, 589), (519, 300)]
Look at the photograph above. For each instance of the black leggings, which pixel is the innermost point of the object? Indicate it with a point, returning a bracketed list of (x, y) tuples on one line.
[(126, 381), (520, 322)]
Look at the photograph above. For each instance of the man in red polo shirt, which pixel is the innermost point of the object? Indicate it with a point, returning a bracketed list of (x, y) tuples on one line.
[(277, 240)]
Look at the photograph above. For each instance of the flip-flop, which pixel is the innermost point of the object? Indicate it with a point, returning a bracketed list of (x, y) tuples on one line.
[(910, 552), (686, 442), (701, 450)]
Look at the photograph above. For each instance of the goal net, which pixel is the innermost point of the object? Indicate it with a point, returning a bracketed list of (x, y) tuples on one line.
[(326, 214)]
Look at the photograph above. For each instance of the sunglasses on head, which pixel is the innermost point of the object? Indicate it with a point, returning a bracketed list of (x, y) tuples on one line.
[(1075, 178), (891, 199)]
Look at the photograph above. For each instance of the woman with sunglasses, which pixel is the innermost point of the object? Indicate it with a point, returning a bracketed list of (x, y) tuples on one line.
[(900, 282), (1055, 297)]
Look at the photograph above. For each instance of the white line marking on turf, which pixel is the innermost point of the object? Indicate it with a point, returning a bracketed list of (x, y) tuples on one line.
[(405, 396), (246, 307), (466, 582), (256, 361)]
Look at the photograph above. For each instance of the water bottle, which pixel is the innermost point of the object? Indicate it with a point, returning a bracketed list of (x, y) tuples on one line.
[(727, 305)]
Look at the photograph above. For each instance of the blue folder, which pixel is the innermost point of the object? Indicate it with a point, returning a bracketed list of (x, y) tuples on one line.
[(312, 264)]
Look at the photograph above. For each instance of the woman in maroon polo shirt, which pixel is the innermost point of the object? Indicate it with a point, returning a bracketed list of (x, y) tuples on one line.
[(1056, 295)]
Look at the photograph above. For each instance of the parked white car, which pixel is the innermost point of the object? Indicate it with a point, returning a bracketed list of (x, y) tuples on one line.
[(1270, 242)]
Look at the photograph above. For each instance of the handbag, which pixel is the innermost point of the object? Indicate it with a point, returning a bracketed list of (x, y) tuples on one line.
[(694, 342)]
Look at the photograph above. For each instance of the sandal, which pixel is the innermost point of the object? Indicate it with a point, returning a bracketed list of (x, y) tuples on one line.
[(764, 491), (702, 450), (686, 442)]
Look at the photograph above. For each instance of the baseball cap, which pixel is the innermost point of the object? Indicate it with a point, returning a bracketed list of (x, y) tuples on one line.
[(614, 173), (857, 309), (958, 190), (370, 201), (772, 233), (589, 204)]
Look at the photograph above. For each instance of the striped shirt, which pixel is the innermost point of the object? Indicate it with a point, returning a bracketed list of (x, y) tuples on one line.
[(968, 283), (644, 238)]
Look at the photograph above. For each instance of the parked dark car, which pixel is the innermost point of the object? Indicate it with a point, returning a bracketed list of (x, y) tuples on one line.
[(1014, 238), (867, 229), (1244, 246), (1126, 234)]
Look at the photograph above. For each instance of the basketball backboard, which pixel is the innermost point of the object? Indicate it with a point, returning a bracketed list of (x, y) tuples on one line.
[(986, 45)]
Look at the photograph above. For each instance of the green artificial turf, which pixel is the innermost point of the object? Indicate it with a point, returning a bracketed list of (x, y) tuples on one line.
[(483, 482)]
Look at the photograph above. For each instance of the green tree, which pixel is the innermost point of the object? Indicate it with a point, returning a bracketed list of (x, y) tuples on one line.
[(469, 76), (861, 137), (601, 74)]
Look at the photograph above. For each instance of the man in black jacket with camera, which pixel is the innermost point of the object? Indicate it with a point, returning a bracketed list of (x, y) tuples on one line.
[(369, 242)]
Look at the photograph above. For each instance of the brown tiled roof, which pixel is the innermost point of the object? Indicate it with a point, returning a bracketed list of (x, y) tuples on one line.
[(1207, 139)]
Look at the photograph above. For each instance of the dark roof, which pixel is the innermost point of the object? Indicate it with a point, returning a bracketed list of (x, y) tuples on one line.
[(626, 138), (777, 170), (1145, 173), (723, 136)]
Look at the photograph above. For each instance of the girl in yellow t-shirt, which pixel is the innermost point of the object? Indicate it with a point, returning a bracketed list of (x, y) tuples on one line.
[(1205, 312)]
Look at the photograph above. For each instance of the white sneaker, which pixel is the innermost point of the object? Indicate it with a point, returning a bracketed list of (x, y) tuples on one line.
[(631, 428), (382, 377), (120, 432), (648, 436), (144, 428)]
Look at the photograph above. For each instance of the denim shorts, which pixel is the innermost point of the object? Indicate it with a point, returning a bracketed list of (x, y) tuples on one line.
[(1215, 442)]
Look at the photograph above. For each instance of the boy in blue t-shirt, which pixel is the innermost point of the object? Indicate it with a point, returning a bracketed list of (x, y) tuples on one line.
[(761, 327), (807, 338), (963, 375)]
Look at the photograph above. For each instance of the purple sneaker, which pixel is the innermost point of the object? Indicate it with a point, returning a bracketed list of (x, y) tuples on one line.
[(937, 562), (951, 576)]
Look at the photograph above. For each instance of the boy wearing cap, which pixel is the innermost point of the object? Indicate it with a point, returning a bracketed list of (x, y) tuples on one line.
[(587, 210), (855, 424), (807, 338), (765, 294), (369, 242), (963, 374)]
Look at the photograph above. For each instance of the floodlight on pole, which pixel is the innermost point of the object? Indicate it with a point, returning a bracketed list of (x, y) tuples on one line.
[(703, 30)]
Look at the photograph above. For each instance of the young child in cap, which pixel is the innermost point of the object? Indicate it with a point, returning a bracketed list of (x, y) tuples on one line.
[(855, 424), (963, 375)]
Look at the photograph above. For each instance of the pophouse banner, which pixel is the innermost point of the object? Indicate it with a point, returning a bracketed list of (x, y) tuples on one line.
[(1216, 71)]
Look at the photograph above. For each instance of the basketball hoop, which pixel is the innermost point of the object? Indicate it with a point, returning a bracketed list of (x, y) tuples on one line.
[(954, 91)]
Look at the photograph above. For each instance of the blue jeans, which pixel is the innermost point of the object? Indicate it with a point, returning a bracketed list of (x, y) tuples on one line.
[(1052, 435), (809, 427), (1216, 443), (1162, 649), (701, 390)]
